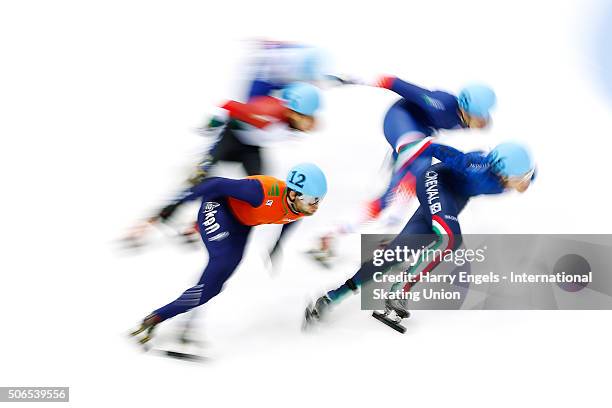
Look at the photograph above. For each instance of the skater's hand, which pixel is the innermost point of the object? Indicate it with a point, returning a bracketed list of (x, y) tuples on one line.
[(197, 176), (165, 213)]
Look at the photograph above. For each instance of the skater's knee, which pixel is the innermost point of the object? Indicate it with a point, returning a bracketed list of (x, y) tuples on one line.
[(212, 291), (374, 208), (452, 240), (218, 270)]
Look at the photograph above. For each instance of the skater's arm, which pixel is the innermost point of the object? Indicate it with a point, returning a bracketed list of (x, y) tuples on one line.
[(258, 112), (404, 89), (248, 190), (242, 112), (433, 102)]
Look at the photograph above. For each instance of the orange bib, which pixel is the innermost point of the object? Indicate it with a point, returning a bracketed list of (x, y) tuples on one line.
[(273, 209)]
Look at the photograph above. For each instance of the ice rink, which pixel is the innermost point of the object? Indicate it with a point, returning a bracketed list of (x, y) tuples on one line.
[(98, 103)]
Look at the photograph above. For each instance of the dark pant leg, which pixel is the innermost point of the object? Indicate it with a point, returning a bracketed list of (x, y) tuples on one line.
[(225, 239), (414, 234), (229, 148), (401, 127), (222, 150), (433, 225), (251, 160)]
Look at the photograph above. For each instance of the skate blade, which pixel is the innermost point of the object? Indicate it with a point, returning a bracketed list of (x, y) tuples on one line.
[(309, 320), (191, 342), (144, 340), (307, 325), (181, 355), (381, 317), (144, 346), (137, 331)]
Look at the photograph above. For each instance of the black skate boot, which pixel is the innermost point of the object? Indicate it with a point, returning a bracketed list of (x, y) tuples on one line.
[(316, 312), (148, 325), (395, 312)]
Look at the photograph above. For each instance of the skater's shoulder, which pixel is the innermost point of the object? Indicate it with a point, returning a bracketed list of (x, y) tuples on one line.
[(269, 182)]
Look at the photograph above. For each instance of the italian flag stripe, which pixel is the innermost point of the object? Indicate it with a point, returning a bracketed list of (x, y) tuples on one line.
[(416, 154)]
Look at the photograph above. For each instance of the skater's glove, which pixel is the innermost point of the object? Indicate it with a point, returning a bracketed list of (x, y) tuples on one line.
[(167, 211), (197, 177)]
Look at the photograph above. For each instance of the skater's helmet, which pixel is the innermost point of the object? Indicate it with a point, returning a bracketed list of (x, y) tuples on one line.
[(302, 97), (477, 100), (307, 179), (511, 160)]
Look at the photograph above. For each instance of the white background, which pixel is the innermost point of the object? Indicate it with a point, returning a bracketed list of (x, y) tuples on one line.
[(97, 105)]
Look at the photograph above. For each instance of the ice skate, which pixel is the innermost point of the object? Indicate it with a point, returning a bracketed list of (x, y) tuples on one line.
[(395, 311), (316, 312), (147, 326)]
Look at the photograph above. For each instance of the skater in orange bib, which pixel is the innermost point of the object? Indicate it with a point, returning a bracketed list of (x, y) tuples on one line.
[(230, 208), (274, 208)]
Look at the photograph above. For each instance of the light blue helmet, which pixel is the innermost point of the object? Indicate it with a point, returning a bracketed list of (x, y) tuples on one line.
[(302, 97), (307, 179), (511, 160), (477, 100)]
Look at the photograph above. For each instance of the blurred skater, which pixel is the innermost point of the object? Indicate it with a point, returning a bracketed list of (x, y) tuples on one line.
[(229, 210), (443, 190), (409, 127)]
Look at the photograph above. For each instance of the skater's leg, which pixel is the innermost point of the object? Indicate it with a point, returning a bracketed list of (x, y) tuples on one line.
[(409, 141), (414, 234), (417, 225), (225, 239), (221, 150), (401, 128), (251, 160), (434, 224), (217, 271)]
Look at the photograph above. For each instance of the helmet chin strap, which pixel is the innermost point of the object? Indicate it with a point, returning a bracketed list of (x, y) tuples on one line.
[(292, 205), (464, 120)]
